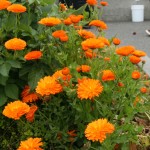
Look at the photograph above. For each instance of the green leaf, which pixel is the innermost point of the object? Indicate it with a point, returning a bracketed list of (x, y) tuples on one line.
[(12, 91), (34, 76), (9, 24), (80, 10), (3, 97), (31, 1), (24, 70), (1, 61), (4, 69), (14, 63), (46, 2), (3, 80), (27, 30)]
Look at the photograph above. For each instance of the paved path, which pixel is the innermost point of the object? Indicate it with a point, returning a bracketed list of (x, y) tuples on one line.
[(132, 33)]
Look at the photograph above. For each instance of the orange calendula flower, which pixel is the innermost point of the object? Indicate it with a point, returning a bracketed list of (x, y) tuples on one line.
[(89, 88), (104, 3), (77, 27), (107, 59), (75, 18), (125, 50), (16, 109), (120, 84), (98, 23), (98, 129), (136, 75), (65, 71), (48, 85), (143, 90), (81, 80), (58, 33), (104, 40), (61, 34), (78, 68), (139, 53), (90, 54), (91, 2), (137, 99), (134, 59), (30, 114), (17, 8), (15, 44), (92, 43), (85, 68), (64, 38), (63, 7), (86, 34), (4, 4), (50, 21), (108, 75), (28, 96), (31, 144), (33, 55), (72, 134), (116, 41), (31, 97), (59, 75), (67, 21)]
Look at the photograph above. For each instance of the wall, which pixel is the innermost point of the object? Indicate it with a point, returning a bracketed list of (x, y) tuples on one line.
[(120, 10)]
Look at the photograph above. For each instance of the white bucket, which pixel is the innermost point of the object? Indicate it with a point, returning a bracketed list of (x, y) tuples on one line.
[(137, 13)]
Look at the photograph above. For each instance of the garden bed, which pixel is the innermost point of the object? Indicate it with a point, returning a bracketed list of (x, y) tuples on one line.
[(63, 87)]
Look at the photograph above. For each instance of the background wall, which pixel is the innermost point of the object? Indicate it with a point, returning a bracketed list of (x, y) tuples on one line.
[(120, 10)]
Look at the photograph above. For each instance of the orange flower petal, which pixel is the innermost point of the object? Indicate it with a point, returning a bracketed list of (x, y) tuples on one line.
[(91, 2), (15, 44), (33, 55), (125, 50), (4, 4), (134, 59), (139, 53), (86, 34), (75, 18), (48, 85), (16, 8), (108, 75), (116, 41), (16, 109), (92, 43), (89, 88), (136, 75), (30, 114), (104, 3), (31, 144), (98, 23), (50, 21), (97, 130)]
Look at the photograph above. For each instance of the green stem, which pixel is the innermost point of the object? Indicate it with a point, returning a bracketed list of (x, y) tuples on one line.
[(101, 12), (42, 114), (93, 148), (16, 32)]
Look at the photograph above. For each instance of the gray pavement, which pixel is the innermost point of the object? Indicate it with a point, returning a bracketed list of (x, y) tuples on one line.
[(132, 33)]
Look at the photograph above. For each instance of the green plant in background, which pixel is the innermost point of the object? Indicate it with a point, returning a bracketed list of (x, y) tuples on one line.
[(63, 87)]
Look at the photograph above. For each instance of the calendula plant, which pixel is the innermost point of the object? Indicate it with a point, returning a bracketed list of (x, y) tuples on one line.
[(64, 87)]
